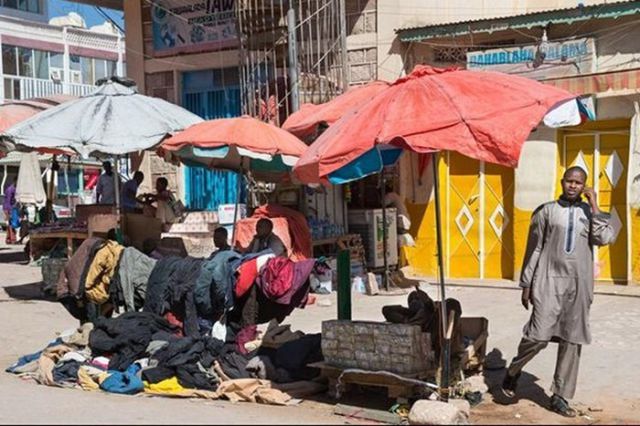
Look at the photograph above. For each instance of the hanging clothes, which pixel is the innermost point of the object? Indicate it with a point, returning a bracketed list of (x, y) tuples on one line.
[(214, 284), (130, 283), (70, 287), (100, 272)]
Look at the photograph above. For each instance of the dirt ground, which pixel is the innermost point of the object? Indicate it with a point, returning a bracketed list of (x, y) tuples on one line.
[(608, 371)]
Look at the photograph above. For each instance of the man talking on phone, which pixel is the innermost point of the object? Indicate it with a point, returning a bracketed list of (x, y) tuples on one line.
[(557, 280)]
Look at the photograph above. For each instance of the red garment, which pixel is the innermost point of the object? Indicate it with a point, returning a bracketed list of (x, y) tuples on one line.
[(299, 233), (276, 277), (247, 274), (174, 320), (246, 335)]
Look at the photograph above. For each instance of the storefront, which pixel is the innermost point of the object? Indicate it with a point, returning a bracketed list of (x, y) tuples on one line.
[(486, 209)]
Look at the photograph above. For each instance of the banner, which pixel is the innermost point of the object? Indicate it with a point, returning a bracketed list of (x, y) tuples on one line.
[(190, 26), (561, 59)]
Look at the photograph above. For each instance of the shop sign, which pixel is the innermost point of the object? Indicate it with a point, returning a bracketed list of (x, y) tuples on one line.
[(190, 26), (561, 59)]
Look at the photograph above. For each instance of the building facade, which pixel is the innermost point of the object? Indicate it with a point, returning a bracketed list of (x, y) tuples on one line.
[(39, 59), (589, 50)]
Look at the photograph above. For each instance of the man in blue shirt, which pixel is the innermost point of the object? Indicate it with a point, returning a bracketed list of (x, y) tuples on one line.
[(129, 192)]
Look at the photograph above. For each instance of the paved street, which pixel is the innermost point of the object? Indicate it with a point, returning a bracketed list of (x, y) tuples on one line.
[(607, 376)]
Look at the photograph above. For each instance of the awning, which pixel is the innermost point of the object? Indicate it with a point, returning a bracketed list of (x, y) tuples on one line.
[(601, 83), (527, 20)]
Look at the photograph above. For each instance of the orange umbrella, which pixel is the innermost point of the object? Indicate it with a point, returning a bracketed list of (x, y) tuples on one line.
[(305, 121), (241, 143), (14, 112)]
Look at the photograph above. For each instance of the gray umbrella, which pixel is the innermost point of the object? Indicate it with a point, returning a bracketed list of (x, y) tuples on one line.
[(113, 120)]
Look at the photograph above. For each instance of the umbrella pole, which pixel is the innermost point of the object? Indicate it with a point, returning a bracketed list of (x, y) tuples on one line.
[(116, 183), (445, 340), (385, 277), (235, 211)]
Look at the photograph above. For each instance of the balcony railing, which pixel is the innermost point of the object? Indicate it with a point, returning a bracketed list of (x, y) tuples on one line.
[(20, 88)]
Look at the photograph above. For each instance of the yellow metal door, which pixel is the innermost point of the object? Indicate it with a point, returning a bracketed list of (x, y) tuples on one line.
[(611, 262), (463, 209), (479, 211), (605, 157), (498, 222)]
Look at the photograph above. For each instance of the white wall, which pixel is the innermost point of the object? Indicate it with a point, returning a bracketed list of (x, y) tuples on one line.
[(393, 15), (535, 175)]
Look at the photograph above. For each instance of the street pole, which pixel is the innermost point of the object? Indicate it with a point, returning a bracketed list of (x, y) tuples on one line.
[(446, 342), (385, 243), (343, 46), (293, 60)]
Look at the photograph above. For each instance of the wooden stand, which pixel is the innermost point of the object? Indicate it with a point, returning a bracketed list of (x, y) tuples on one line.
[(398, 388)]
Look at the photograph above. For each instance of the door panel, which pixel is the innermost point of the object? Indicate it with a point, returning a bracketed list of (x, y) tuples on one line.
[(612, 196), (498, 222), (463, 221)]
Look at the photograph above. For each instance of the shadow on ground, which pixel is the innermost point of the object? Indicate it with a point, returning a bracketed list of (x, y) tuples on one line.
[(8, 255), (31, 291), (528, 388)]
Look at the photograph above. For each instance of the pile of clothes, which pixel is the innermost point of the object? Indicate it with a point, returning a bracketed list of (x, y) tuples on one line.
[(144, 352), (104, 277)]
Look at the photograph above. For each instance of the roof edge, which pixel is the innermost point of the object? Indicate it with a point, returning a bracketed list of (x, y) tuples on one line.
[(527, 20)]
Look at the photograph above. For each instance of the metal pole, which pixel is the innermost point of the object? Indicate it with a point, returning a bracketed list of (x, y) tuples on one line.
[(444, 356), (343, 46), (293, 59), (385, 243), (235, 211), (344, 285)]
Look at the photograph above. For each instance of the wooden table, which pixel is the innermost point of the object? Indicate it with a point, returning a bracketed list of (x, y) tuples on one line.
[(56, 235)]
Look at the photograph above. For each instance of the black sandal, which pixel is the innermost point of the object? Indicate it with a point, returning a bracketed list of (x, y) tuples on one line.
[(509, 385), (561, 406)]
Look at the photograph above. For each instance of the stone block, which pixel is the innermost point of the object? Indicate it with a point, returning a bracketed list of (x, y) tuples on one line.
[(425, 412)]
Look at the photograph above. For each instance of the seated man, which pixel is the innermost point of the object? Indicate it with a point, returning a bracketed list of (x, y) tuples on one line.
[(220, 240), (266, 239)]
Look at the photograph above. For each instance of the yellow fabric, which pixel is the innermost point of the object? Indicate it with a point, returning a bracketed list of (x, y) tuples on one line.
[(101, 271), (89, 378), (167, 386)]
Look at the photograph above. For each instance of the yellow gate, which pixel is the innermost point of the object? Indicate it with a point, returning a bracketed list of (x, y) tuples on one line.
[(605, 155), (479, 212)]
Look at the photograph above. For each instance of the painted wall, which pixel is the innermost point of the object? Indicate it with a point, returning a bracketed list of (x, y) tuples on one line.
[(535, 184)]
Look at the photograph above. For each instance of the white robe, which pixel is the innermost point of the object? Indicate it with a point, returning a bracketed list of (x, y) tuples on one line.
[(558, 266)]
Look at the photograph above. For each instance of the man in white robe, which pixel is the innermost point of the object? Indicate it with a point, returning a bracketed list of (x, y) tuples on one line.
[(557, 278)]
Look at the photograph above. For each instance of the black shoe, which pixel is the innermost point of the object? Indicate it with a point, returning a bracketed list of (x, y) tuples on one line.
[(509, 385), (561, 406)]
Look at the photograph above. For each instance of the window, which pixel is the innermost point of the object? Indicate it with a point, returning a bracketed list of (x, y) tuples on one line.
[(25, 62), (74, 63), (56, 61), (86, 64), (100, 67), (41, 64), (112, 68), (32, 6), (9, 60)]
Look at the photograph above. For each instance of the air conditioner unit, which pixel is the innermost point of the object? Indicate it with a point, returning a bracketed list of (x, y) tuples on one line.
[(76, 77), (56, 75)]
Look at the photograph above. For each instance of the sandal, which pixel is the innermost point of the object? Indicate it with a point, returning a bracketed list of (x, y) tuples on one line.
[(561, 406), (509, 385)]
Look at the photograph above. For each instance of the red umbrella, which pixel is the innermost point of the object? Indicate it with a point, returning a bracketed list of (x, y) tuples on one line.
[(481, 114), (304, 122)]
